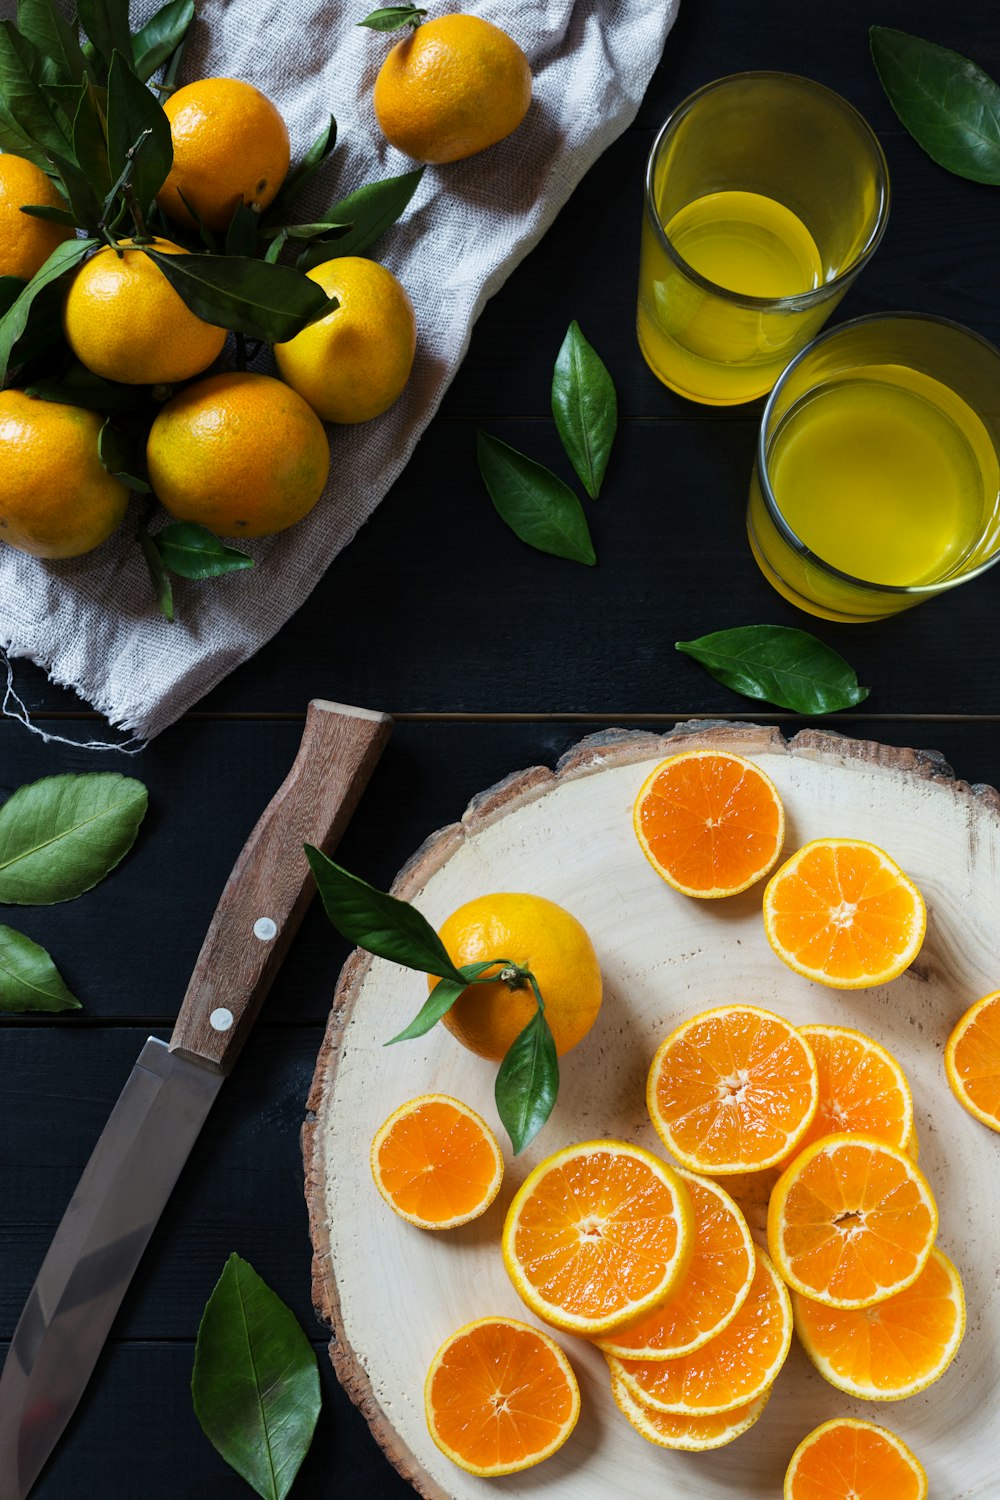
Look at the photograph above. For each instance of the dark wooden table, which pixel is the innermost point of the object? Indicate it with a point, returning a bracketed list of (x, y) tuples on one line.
[(490, 657)]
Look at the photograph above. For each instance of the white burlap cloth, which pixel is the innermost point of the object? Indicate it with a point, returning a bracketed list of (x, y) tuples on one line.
[(91, 623)]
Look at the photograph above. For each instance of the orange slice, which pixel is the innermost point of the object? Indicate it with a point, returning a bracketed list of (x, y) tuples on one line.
[(692, 1434), (500, 1396), (732, 1090), (712, 1292), (436, 1162), (851, 1221), (844, 1459), (861, 1088), (843, 913), (598, 1236), (709, 822), (892, 1350), (972, 1060), (733, 1370)]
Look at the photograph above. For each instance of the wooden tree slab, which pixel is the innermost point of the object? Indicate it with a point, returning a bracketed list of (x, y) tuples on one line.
[(391, 1293)]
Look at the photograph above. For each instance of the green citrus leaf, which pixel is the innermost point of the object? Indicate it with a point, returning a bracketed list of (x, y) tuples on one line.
[(90, 142), (44, 24), (29, 980), (585, 408), (122, 451), (252, 297), (79, 386), (255, 1383), (325, 229), (61, 835), (439, 1002), (159, 577), (138, 134), (49, 214), (379, 923), (948, 104), (369, 211), (41, 127), (301, 174), (106, 24), (15, 320), (153, 43), (778, 664), (393, 17), (527, 1082), (241, 236), (534, 503), (192, 551)]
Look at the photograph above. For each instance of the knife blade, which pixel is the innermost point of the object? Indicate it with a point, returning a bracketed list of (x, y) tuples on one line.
[(159, 1114)]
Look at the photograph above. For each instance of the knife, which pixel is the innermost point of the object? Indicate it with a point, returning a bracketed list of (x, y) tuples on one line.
[(144, 1145)]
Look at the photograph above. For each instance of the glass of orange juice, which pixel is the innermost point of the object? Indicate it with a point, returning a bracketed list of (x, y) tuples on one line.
[(877, 482), (765, 195)]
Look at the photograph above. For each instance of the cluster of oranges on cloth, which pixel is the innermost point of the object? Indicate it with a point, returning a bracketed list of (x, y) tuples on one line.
[(241, 453), (653, 1261)]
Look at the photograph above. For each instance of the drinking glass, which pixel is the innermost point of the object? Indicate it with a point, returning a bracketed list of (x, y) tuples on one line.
[(765, 195), (877, 481)]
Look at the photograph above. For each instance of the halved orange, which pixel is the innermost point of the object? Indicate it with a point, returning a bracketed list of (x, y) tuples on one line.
[(732, 1090), (840, 911), (861, 1088), (892, 1350), (716, 1285), (730, 1371), (845, 1459), (851, 1221), (598, 1236), (972, 1060), (500, 1396), (709, 822), (436, 1162), (691, 1434)]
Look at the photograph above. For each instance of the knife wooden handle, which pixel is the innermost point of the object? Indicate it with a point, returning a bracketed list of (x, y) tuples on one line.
[(266, 896)]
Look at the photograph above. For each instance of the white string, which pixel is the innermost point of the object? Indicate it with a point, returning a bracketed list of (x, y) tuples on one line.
[(13, 707)]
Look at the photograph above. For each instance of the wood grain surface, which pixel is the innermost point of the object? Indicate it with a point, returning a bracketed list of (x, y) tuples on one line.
[(392, 1293)]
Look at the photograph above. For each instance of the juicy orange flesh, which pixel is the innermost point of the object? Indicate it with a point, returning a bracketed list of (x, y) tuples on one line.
[(858, 1090), (735, 1367), (735, 1088), (499, 1395), (710, 822), (671, 1425), (855, 1222), (842, 911), (977, 1059), (847, 1461), (436, 1164), (713, 1288), (597, 1234), (888, 1347)]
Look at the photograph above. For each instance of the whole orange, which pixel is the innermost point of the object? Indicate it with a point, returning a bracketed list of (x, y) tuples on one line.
[(25, 242), (451, 88), (56, 499), (532, 933), (240, 453), (230, 146), (353, 364), (124, 321)]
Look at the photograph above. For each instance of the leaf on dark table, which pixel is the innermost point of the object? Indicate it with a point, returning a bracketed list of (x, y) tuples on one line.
[(379, 923), (585, 407), (534, 502), (370, 211), (61, 835), (947, 103), (527, 1082), (192, 551), (778, 664), (29, 980), (252, 297), (255, 1382)]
